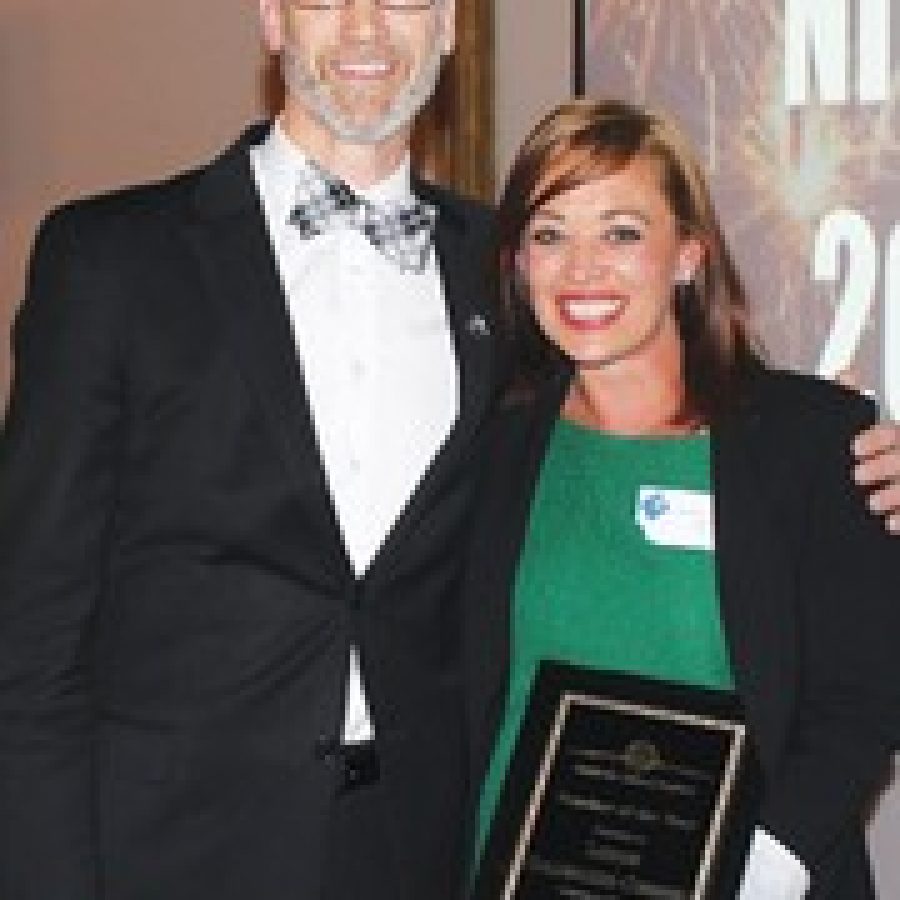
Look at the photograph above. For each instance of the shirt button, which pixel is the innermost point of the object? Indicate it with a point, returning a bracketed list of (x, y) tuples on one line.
[(357, 369)]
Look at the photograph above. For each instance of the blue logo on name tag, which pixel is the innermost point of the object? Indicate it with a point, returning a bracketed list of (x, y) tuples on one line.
[(654, 506)]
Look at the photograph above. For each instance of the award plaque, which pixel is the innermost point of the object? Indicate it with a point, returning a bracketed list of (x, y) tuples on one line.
[(622, 787)]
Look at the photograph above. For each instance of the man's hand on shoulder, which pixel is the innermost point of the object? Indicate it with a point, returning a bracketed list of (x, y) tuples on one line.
[(877, 453)]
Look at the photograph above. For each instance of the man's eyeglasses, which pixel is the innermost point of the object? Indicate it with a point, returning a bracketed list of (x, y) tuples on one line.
[(400, 5)]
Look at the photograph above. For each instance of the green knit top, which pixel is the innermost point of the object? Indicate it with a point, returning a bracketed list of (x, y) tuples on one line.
[(594, 590)]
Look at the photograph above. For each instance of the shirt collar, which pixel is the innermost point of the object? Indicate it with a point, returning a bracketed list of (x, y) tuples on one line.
[(284, 164)]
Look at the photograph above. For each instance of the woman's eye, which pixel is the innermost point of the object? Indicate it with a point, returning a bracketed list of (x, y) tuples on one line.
[(624, 234), (546, 235)]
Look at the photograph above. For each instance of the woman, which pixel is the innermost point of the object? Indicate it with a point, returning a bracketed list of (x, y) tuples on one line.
[(638, 389)]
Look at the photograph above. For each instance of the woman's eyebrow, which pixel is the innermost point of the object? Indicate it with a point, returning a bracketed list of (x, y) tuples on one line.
[(603, 215)]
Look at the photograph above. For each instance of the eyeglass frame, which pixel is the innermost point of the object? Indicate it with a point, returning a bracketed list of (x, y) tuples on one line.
[(390, 5)]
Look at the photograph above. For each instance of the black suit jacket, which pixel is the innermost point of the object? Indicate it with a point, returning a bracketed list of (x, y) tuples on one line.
[(808, 584), (176, 607)]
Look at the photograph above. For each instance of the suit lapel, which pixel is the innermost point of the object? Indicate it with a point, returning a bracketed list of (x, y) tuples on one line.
[(232, 247), (468, 303), (460, 248), (754, 584)]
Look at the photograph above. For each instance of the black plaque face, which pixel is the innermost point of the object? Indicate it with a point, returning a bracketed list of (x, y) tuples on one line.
[(621, 787)]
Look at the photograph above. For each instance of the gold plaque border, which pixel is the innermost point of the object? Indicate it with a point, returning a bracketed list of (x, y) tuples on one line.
[(569, 699)]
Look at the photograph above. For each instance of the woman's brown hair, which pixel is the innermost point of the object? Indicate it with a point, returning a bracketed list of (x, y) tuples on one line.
[(581, 141)]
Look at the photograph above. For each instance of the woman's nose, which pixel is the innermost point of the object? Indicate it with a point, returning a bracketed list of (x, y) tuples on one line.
[(585, 258)]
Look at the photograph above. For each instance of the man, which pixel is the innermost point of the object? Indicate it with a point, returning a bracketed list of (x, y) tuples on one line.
[(235, 487), (229, 653)]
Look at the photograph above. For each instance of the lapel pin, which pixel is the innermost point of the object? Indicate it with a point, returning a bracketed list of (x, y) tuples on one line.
[(477, 326)]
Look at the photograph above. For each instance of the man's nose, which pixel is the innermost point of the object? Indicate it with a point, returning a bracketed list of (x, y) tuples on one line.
[(364, 19)]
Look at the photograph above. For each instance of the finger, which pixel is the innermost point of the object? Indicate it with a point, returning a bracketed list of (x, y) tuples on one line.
[(878, 470), (886, 500), (878, 439), (893, 524)]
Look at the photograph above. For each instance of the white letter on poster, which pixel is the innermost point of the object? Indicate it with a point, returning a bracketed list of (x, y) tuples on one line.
[(873, 54), (815, 31), (891, 327), (844, 226)]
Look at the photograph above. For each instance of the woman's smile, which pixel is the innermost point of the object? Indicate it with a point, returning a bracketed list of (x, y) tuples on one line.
[(590, 310)]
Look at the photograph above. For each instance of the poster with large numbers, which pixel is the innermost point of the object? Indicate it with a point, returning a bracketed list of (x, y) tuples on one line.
[(793, 105)]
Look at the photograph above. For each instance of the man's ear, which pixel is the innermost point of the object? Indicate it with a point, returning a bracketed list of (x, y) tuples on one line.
[(271, 17)]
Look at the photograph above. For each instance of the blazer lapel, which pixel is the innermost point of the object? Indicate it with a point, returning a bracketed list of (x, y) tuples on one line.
[(754, 585), (516, 455), (240, 272)]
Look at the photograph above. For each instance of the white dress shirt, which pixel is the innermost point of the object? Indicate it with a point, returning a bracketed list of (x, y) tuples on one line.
[(378, 360)]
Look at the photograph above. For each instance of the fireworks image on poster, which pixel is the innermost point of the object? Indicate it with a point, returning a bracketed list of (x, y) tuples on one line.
[(718, 66)]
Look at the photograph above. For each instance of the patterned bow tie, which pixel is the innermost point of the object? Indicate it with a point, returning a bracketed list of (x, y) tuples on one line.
[(403, 234)]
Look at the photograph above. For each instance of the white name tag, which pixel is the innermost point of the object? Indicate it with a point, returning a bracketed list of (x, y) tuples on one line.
[(675, 517)]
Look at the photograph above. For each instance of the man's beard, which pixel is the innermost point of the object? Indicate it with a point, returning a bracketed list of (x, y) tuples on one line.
[(303, 84)]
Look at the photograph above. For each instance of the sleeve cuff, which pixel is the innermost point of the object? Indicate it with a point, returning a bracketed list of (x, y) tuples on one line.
[(772, 872)]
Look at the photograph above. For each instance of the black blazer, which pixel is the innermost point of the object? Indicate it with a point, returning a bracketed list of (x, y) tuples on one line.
[(176, 607), (809, 585)]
